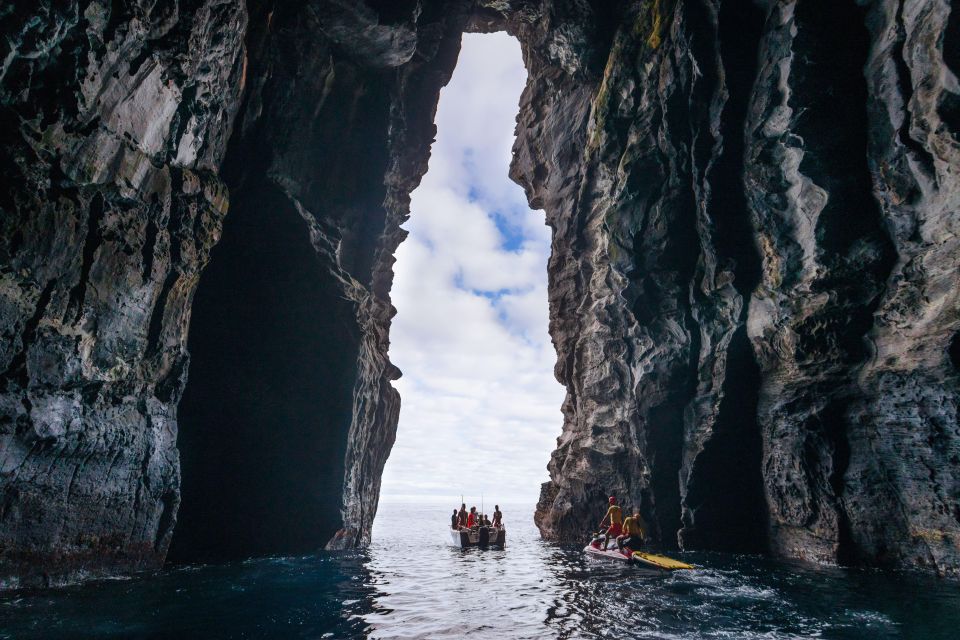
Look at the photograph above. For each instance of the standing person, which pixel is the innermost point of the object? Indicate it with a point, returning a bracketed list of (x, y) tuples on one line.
[(454, 519), (615, 517), (497, 516), (462, 516), (634, 532), (472, 518)]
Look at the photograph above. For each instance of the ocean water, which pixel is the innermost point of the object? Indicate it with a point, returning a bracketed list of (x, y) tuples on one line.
[(412, 583)]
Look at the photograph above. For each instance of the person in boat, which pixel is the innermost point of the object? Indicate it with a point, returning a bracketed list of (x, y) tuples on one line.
[(462, 517), (486, 520), (455, 520), (497, 517), (472, 518), (615, 519), (634, 532)]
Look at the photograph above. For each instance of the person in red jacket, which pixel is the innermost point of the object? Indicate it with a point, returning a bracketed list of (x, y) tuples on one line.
[(472, 518)]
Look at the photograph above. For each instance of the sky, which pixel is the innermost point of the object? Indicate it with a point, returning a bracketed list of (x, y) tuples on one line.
[(480, 409)]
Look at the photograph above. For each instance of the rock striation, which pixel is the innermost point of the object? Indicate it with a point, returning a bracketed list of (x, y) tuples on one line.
[(115, 119), (753, 286)]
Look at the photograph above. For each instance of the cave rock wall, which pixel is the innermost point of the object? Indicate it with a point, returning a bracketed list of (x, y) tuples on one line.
[(753, 286)]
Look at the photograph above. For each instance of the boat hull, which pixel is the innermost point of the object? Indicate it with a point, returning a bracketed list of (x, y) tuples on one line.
[(483, 537)]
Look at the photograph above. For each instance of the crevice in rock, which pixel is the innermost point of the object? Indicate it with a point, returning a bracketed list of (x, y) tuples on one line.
[(91, 243), (826, 456), (269, 397), (149, 245), (951, 41), (180, 120), (17, 369), (168, 507), (740, 27), (156, 315), (725, 491), (665, 428), (834, 421), (953, 351)]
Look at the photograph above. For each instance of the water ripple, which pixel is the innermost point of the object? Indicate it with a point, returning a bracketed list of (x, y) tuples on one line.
[(412, 584)]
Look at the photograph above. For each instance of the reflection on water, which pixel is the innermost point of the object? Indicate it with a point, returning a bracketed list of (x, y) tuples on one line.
[(412, 584)]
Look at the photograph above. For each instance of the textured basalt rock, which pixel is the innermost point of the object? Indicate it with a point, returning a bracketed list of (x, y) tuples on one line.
[(115, 120), (782, 176), (753, 286)]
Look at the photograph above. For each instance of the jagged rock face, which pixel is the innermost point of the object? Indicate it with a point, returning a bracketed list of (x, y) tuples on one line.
[(753, 286), (853, 319), (115, 119), (754, 292), (333, 135)]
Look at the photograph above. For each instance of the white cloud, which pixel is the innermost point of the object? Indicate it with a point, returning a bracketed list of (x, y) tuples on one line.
[(481, 409)]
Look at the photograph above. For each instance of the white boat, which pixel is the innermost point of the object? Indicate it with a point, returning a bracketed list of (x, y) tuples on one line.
[(609, 554), (479, 537)]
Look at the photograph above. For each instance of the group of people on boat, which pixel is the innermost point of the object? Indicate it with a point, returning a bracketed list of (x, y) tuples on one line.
[(472, 519), (629, 533)]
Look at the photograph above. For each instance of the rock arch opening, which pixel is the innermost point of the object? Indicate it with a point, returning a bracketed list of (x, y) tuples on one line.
[(481, 406)]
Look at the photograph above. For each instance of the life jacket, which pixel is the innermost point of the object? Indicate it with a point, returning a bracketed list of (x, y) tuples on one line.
[(616, 515)]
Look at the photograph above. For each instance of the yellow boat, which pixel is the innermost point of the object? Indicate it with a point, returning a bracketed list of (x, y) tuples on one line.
[(663, 563)]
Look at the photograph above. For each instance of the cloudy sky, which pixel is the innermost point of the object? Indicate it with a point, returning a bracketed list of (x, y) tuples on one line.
[(481, 408)]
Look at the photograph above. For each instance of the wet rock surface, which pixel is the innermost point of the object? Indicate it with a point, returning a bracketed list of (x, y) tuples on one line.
[(753, 286)]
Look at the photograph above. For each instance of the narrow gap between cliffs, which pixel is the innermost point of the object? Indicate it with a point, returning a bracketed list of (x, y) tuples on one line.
[(481, 408)]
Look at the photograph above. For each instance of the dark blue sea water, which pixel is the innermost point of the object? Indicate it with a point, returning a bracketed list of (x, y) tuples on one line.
[(412, 584)]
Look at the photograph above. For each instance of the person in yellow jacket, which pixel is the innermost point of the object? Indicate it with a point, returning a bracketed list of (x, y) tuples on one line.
[(634, 532)]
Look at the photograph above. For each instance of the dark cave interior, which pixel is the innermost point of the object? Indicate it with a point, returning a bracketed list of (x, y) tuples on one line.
[(267, 398)]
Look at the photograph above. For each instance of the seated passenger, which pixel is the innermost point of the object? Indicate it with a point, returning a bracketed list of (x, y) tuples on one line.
[(486, 520), (634, 532)]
